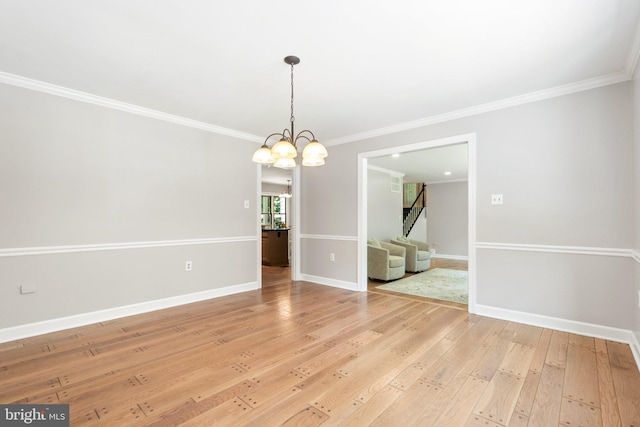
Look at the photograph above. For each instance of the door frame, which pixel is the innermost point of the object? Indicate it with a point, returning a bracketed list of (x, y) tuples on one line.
[(470, 139)]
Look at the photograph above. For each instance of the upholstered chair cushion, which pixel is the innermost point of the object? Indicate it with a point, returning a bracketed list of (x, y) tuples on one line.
[(418, 254)]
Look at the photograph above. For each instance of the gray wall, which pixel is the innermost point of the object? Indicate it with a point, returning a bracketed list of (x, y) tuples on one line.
[(565, 168), (448, 219), (74, 174), (384, 207)]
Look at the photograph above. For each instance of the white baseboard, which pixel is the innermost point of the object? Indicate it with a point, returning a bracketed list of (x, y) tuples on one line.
[(635, 348), (54, 325), (572, 326), (342, 284), (445, 256)]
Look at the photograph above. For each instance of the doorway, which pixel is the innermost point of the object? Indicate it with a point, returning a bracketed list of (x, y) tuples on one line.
[(363, 160), (273, 182)]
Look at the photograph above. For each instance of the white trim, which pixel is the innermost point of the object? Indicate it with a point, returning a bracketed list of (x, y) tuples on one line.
[(635, 348), (362, 275), (39, 328), (258, 224), (48, 250), (329, 237), (581, 250), (458, 257), (296, 254), (446, 182), (40, 86), (572, 326), (635, 255), (488, 107), (335, 283)]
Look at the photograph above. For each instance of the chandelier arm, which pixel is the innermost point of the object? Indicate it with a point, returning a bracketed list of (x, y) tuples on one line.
[(288, 135), (300, 135), (267, 138)]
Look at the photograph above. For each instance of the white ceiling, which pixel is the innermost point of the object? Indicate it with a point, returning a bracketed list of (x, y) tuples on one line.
[(365, 66), (429, 166)]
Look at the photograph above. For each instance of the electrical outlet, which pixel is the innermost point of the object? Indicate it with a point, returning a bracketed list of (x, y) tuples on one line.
[(246, 204), (332, 256), (496, 199), (188, 266)]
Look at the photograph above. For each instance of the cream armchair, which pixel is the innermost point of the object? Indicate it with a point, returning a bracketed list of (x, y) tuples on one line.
[(418, 253), (385, 261)]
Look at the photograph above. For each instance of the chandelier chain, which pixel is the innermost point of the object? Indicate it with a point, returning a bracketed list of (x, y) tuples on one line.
[(292, 116)]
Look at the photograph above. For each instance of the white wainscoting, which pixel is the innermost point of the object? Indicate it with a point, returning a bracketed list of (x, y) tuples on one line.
[(39, 328), (612, 334)]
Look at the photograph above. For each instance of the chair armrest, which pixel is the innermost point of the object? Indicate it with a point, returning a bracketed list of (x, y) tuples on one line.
[(377, 255)]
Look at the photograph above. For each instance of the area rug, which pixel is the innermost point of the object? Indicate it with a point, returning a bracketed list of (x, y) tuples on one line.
[(438, 283)]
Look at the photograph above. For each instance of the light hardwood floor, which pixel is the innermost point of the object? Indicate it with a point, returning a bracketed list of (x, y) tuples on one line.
[(305, 354)]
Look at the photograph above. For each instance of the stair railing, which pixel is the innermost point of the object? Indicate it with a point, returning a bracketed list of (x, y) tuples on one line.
[(412, 214)]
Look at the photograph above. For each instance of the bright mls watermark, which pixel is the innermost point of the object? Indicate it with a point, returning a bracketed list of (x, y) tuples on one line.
[(34, 415)]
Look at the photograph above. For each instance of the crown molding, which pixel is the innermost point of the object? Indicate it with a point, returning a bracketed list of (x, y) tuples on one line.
[(40, 86), (488, 107), (627, 74)]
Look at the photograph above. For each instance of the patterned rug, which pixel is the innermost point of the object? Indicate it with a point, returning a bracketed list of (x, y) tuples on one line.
[(437, 283)]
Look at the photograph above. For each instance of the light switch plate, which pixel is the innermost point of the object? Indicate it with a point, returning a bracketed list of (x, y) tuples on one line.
[(496, 199), (246, 204)]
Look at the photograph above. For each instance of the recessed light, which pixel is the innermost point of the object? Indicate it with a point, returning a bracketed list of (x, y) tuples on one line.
[(447, 173), (395, 155)]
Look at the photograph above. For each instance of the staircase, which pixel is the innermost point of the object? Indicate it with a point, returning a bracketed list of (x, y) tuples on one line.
[(412, 213)]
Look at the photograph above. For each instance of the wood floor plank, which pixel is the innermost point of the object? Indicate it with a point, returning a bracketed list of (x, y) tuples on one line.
[(369, 411), (557, 353), (573, 413), (494, 357), (457, 412), (499, 398), (580, 383), (446, 368), (298, 353), (546, 405), (626, 381), (608, 400)]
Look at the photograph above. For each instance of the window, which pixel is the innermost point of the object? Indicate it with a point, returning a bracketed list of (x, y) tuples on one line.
[(273, 212)]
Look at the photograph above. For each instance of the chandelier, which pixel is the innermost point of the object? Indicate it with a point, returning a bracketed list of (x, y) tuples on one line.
[(284, 152)]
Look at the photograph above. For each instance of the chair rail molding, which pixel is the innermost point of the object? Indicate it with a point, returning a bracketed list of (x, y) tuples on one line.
[(580, 250), (49, 250)]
